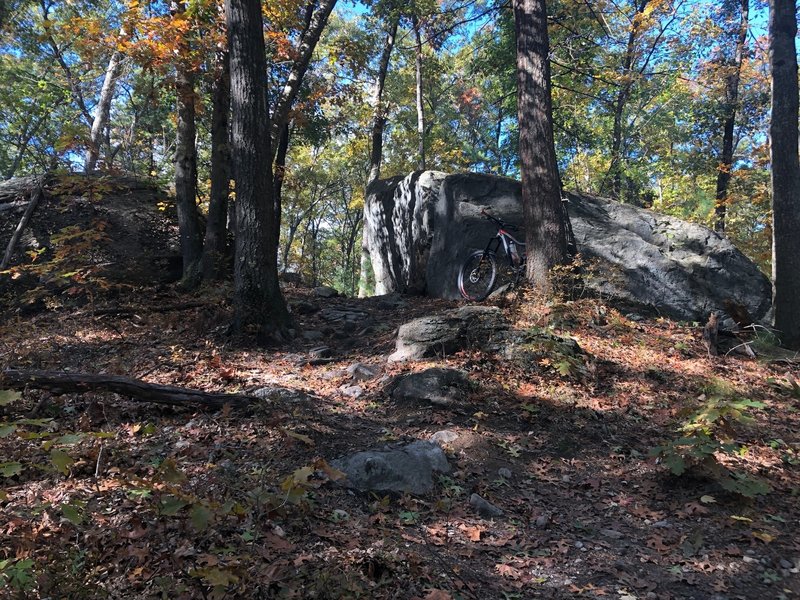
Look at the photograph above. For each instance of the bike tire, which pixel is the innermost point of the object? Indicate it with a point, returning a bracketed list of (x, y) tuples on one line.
[(477, 275)]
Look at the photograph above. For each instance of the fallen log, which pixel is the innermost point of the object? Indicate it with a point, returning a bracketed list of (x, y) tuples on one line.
[(57, 383)]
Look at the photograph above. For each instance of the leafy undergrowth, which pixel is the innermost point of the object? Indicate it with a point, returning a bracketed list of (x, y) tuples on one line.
[(643, 469)]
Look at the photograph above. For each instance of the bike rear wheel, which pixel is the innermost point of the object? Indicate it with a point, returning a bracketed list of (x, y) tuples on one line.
[(477, 275)]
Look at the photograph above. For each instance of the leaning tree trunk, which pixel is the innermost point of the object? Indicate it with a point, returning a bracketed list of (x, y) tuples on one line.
[(420, 105), (102, 111), (186, 165), (214, 247), (731, 103), (785, 171), (541, 191), (376, 151), (258, 303)]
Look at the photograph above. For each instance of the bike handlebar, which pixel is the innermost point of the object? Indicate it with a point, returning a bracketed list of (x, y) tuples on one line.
[(497, 221)]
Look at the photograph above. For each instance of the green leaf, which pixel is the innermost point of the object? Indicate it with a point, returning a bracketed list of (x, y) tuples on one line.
[(61, 460), (6, 429), (10, 469), (215, 577), (675, 463), (171, 505), (201, 516), (171, 473), (9, 396), (73, 513), (70, 438)]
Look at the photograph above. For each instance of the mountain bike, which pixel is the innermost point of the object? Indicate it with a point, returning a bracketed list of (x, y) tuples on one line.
[(481, 270)]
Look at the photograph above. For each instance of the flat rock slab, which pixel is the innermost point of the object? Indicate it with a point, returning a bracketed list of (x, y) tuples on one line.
[(439, 386), (406, 469), (448, 332)]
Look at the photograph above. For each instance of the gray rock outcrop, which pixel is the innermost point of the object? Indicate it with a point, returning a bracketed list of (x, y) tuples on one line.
[(448, 332), (407, 469), (438, 386), (421, 227)]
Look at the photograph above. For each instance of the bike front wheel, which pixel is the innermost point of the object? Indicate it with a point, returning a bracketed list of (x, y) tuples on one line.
[(477, 275)]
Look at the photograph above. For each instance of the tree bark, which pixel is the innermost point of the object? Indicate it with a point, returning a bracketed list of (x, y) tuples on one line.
[(420, 105), (376, 150), (305, 51), (731, 104), (783, 132), (541, 190), (258, 303), (621, 102), (102, 111), (66, 383), (23, 223), (214, 247), (186, 163)]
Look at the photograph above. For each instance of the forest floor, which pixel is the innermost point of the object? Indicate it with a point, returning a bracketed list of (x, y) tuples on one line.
[(104, 497)]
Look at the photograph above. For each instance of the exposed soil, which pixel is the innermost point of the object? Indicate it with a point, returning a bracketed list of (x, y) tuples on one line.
[(141, 501)]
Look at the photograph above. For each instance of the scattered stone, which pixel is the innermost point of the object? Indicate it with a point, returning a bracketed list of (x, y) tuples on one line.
[(352, 391), (312, 335), (438, 386), (446, 333), (484, 508), (527, 348), (405, 469), (334, 374), (363, 372), (303, 307), (351, 317), (325, 291), (281, 394), (504, 472), (542, 521), (612, 533), (785, 564), (390, 301), (340, 515), (444, 436), (320, 352)]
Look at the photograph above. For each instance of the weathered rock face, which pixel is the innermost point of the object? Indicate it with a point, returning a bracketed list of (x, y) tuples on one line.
[(406, 469), (420, 229), (448, 332)]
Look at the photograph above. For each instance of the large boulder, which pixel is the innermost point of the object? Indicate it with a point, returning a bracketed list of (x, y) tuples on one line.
[(420, 228), (112, 228)]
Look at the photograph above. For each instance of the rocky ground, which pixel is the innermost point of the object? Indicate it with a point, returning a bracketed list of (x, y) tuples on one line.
[(102, 496)]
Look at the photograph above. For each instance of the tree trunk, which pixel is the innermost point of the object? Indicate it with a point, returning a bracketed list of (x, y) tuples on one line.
[(731, 104), (308, 42), (621, 101), (186, 165), (102, 111), (785, 171), (420, 105), (376, 151), (541, 192), (214, 247), (259, 306)]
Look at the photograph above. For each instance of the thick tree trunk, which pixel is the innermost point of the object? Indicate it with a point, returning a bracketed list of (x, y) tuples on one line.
[(731, 104), (258, 303), (214, 247), (376, 150), (135, 389), (102, 111), (785, 171), (541, 191), (420, 105), (186, 166)]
